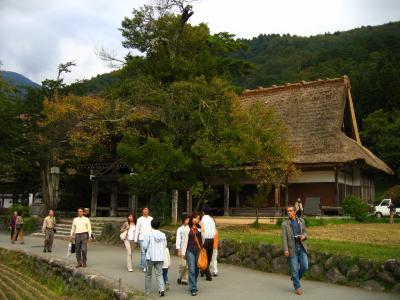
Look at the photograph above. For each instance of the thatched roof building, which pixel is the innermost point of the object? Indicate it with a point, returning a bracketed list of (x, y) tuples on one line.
[(320, 118), (323, 131)]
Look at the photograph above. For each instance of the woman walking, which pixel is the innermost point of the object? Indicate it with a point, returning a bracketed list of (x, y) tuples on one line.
[(191, 249), (19, 231), (128, 235)]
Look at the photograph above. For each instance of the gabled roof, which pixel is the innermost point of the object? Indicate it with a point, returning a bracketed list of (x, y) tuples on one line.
[(315, 114)]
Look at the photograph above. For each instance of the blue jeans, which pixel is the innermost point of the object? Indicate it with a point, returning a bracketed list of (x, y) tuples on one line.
[(159, 276), (142, 256), (298, 265), (191, 258), (165, 274)]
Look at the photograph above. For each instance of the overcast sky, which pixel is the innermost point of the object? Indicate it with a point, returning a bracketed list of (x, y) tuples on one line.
[(37, 35)]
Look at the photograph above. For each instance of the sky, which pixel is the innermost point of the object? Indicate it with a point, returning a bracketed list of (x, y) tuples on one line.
[(37, 35)]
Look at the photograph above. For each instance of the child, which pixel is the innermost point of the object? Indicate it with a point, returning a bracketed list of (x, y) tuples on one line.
[(165, 267), (154, 245), (183, 270), (214, 261)]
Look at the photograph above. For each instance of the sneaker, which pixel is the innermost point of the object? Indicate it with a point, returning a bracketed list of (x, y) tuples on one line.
[(215, 275), (144, 270), (194, 293), (298, 291), (178, 281), (78, 266), (209, 278), (48, 250), (130, 270), (184, 282), (162, 293)]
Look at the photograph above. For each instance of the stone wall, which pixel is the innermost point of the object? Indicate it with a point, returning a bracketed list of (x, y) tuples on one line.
[(352, 271), (72, 277)]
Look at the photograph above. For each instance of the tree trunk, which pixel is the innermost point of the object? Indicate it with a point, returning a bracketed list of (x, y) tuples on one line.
[(50, 184)]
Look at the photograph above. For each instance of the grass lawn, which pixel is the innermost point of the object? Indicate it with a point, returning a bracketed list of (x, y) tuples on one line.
[(372, 241)]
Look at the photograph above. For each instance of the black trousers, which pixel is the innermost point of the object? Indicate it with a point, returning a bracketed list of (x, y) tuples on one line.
[(208, 245)]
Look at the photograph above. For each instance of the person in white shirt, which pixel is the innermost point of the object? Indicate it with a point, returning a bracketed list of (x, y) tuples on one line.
[(154, 244), (183, 270), (128, 234), (209, 229), (143, 226), (82, 230)]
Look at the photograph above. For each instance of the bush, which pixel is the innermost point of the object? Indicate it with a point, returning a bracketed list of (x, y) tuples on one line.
[(356, 208), (31, 224), (18, 207), (394, 194)]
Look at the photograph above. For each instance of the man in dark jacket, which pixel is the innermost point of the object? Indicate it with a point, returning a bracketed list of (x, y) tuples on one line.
[(293, 232)]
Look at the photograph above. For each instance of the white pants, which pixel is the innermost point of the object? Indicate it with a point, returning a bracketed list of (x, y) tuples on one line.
[(129, 247), (214, 262)]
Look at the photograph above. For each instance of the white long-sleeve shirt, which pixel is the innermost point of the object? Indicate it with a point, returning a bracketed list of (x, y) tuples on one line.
[(81, 225), (143, 226), (180, 233), (208, 227)]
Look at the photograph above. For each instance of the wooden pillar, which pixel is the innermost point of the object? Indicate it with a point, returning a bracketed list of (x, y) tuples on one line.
[(276, 196), (93, 202), (114, 199), (226, 199), (189, 202), (337, 187), (132, 203), (174, 210), (286, 195), (237, 199)]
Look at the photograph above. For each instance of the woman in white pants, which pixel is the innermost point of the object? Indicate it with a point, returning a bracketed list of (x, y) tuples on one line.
[(128, 236)]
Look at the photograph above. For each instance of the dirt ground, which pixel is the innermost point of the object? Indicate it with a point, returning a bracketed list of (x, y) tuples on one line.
[(383, 234)]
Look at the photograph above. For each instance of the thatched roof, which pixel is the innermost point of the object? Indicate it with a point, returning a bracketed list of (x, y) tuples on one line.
[(315, 114)]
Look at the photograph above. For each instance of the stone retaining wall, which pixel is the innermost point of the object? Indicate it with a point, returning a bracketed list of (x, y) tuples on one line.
[(351, 271), (75, 278)]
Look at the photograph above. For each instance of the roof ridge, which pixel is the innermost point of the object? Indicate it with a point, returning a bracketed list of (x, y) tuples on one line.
[(261, 90)]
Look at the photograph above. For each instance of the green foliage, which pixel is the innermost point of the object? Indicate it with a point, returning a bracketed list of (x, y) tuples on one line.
[(381, 131), (394, 194), (356, 208), (31, 224), (161, 208), (24, 209)]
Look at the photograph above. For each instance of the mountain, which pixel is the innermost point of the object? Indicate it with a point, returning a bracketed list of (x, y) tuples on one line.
[(18, 80), (369, 55)]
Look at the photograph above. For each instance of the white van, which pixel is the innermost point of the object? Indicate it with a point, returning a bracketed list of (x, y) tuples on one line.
[(382, 210)]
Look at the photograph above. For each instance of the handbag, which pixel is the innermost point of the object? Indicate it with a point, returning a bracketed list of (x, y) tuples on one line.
[(122, 236), (202, 260)]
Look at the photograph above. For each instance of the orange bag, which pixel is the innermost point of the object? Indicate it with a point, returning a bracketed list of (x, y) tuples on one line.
[(202, 260)]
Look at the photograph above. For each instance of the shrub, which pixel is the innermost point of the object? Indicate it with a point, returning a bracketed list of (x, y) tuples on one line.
[(18, 207), (31, 224), (394, 194), (356, 208)]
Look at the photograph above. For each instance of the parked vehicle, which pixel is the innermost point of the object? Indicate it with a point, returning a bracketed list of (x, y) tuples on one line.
[(382, 210)]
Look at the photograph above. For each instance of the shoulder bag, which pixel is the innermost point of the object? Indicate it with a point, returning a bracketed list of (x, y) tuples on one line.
[(202, 260)]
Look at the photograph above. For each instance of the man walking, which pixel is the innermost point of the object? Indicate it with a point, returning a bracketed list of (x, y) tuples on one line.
[(82, 230), (293, 232), (183, 270), (209, 229), (49, 224), (143, 226)]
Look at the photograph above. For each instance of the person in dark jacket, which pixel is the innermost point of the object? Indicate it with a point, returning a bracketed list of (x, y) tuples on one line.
[(293, 233)]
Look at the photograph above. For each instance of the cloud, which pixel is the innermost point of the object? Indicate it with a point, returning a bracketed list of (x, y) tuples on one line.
[(37, 35)]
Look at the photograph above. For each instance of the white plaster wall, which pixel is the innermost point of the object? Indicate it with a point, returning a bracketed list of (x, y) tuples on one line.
[(313, 176)]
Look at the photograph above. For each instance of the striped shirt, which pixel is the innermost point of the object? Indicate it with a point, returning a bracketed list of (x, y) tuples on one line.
[(154, 245), (208, 227)]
